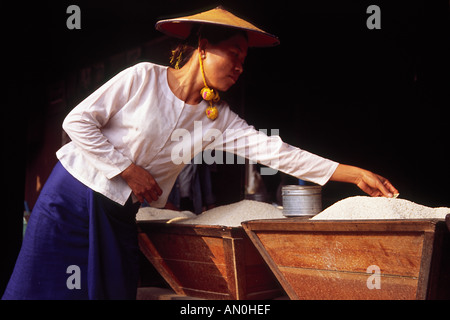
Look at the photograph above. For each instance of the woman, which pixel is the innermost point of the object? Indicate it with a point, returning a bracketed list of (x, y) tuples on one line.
[(81, 241)]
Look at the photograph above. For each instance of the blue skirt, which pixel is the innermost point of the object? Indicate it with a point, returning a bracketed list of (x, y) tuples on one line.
[(78, 245)]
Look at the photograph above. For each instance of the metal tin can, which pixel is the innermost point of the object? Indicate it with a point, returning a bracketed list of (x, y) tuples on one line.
[(301, 200)]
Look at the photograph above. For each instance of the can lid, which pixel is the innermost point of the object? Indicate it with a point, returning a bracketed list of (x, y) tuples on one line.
[(300, 190)]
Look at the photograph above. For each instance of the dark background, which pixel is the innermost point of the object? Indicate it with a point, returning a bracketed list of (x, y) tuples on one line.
[(376, 99)]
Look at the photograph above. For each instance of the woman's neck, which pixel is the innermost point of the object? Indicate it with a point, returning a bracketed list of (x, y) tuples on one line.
[(186, 82)]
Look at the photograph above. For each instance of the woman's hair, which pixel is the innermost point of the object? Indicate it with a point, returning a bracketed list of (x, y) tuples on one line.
[(213, 33)]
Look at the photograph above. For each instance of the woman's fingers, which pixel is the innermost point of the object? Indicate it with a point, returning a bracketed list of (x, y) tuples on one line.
[(390, 187), (376, 186), (371, 183), (150, 189), (142, 183), (371, 191), (379, 185), (153, 193)]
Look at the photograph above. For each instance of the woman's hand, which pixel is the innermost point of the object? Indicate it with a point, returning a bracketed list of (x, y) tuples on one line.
[(370, 183), (142, 183)]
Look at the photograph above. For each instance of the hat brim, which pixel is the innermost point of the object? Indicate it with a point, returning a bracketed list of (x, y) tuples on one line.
[(181, 27)]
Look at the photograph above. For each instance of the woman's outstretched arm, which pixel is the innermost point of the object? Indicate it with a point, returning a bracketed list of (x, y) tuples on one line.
[(371, 183)]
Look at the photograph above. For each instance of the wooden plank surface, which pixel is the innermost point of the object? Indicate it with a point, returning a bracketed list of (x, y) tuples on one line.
[(313, 284), (198, 230), (302, 224), (215, 263), (438, 282), (194, 262), (151, 253), (271, 264), (188, 247), (196, 275), (326, 259), (350, 251)]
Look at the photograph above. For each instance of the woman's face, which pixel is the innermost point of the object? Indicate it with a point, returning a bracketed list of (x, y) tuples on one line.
[(223, 63)]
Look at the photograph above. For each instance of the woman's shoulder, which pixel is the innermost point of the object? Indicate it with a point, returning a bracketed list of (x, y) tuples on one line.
[(141, 70), (148, 67), (226, 114), (225, 107), (143, 73)]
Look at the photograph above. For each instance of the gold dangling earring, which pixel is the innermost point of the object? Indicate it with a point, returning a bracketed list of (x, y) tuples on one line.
[(208, 94)]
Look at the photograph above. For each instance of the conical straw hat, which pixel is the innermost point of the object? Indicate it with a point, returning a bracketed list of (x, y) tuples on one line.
[(181, 27)]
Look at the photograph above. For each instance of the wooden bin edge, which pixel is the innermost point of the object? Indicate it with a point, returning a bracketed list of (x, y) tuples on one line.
[(428, 227)]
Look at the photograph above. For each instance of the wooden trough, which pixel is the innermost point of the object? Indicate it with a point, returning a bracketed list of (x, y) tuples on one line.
[(212, 262), (377, 259)]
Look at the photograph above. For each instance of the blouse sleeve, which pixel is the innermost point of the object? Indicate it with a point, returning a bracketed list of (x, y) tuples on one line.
[(84, 123), (244, 140)]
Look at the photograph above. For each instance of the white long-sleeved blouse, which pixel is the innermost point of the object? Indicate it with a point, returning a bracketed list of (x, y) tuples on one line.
[(136, 118)]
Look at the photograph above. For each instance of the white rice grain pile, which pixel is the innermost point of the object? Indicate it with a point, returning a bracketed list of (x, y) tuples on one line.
[(233, 214), (149, 213), (360, 208)]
